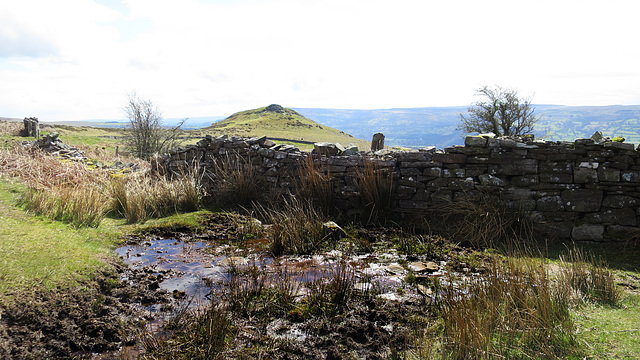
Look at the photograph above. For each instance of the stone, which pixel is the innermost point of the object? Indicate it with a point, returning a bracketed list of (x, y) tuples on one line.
[(550, 203), (420, 266), (490, 180), (582, 200), (477, 141), (351, 150), (327, 149), (377, 143), (587, 232)]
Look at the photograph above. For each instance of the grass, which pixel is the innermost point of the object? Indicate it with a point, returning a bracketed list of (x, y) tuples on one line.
[(376, 187), (297, 228), (607, 332), (40, 253)]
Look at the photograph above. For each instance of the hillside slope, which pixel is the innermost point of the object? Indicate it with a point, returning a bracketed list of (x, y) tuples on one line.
[(277, 122)]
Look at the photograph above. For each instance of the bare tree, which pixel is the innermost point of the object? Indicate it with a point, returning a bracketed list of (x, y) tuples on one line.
[(501, 112), (146, 134)]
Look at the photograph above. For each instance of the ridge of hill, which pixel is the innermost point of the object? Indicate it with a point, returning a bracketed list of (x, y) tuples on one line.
[(277, 122)]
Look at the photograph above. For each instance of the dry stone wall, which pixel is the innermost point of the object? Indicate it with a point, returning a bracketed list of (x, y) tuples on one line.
[(587, 190)]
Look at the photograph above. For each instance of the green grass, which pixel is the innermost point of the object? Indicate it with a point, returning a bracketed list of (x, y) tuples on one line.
[(37, 252), (610, 332)]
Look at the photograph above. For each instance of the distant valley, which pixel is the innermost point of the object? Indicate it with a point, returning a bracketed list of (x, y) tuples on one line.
[(436, 126)]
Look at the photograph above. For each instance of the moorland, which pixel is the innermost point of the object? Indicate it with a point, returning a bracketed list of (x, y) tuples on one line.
[(289, 287)]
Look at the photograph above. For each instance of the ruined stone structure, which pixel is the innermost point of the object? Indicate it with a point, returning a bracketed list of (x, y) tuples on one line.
[(588, 189), (31, 127)]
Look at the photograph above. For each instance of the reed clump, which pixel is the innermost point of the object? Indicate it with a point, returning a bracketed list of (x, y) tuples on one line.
[(375, 185)]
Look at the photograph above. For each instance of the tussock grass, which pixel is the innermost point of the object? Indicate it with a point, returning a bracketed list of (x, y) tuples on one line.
[(69, 191), (201, 334), (482, 219), (514, 312), (376, 187), (589, 278), (315, 184), (296, 229), (142, 196), (234, 183), (329, 296)]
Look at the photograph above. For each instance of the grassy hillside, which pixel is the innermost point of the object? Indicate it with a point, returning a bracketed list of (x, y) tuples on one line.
[(279, 123)]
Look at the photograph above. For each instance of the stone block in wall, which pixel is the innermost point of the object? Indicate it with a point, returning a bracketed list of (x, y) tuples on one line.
[(522, 167), (618, 165), (555, 167), (556, 178), (268, 153), (600, 155), (620, 233), (525, 180), (461, 184), (421, 195), (522, 204), (583, 175), (457, 173), (630, 176), (620, 201), (450, 158), (588, 232), (562, 157), (413, 205), (412, 183), (554, 230), (416, 156), (478, 159), (490, 180), (410, 172), (433, 172), (582, 200), (624, 216), (477, 141), (550, 203), (419, 164), (619, 145), (442, 195), (401, 189), (474, 151), (475, 169)]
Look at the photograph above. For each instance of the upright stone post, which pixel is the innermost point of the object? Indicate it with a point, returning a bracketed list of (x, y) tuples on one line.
[(378, 142), (31, 127)]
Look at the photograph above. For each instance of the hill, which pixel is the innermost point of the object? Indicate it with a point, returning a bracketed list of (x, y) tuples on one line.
[(279, 123)]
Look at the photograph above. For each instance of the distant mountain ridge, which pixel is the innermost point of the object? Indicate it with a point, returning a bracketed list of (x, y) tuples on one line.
[(437, 126)]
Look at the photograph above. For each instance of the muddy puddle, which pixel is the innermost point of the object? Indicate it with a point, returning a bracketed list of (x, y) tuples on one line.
[(191, 270)]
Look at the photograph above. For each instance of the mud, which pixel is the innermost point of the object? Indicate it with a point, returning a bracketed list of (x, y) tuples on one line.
[(99, 316), (166, 268)]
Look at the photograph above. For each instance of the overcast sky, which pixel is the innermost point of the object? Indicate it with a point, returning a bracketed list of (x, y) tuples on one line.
[(78, 59)]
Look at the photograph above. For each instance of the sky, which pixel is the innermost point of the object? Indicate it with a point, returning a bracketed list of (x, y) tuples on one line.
[(81, 59)]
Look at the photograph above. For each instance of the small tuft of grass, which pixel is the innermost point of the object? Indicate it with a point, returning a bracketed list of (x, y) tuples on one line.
[(296, 229), (589, 278)]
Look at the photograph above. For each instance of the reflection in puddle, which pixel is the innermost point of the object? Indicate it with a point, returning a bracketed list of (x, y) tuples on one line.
[(194, 267)]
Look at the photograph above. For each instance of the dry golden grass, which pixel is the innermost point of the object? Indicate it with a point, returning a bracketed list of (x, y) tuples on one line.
[(71, 192), (11, 128)]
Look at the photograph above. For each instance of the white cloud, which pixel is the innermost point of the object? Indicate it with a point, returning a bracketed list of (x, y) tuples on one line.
[(79, 59)]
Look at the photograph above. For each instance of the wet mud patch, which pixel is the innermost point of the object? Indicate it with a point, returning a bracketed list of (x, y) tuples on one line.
[(95, 317)]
